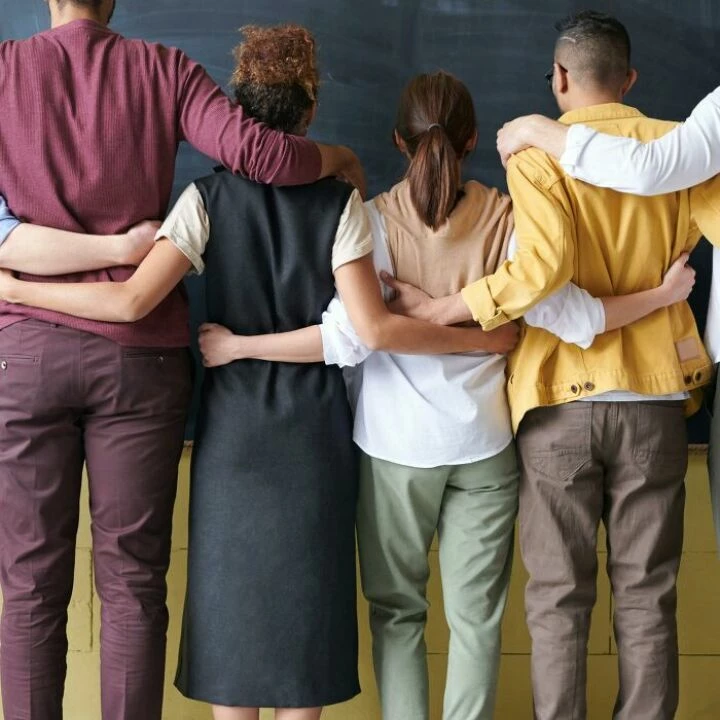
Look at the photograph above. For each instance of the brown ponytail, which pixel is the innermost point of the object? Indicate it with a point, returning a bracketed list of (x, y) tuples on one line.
[(436, 121)]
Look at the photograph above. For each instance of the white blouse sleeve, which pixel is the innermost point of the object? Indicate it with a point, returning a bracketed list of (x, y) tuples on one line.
[(686, 156), (341, 344), (571, 313)]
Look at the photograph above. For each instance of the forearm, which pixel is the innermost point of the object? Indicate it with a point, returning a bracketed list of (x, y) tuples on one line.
[(623, 310), (126, 301), (44, 251), (297, 346), (449, 310), (684, 157), (103, 301), (408, 336)]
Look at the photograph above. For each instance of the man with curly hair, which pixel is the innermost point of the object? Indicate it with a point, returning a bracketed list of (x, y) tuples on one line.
[(91, 123)]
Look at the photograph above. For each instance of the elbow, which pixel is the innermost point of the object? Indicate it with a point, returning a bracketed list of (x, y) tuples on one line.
[(131, 308), (375, 336)]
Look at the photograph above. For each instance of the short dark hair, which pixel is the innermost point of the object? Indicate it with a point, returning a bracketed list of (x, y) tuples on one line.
[(596, 46)]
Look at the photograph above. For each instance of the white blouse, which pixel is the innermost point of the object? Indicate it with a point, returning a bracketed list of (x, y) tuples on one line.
[(432, 410), (686, 156)]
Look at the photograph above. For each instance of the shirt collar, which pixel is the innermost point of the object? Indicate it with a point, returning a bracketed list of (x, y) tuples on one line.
[(608, 111)]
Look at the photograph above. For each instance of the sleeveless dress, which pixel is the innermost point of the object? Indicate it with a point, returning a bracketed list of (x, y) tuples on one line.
[(270, 614)]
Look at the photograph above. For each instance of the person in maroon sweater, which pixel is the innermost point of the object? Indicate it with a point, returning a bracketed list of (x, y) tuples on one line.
[(89, 131)]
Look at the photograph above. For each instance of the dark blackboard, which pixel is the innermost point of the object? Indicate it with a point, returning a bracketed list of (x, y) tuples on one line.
[(368, 49)]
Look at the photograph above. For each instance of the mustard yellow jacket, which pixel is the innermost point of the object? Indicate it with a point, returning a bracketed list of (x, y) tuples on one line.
[(610, 244)]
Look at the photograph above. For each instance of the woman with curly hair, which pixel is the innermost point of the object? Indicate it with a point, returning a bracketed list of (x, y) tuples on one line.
[(437, 448), (270, 615)]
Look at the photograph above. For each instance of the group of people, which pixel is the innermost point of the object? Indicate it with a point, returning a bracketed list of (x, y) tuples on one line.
[(571, 417)]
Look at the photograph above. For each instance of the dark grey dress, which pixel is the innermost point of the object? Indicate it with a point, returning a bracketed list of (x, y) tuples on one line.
[(270, 615)]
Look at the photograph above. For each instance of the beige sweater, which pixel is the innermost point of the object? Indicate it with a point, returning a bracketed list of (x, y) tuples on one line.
[(471, 244)]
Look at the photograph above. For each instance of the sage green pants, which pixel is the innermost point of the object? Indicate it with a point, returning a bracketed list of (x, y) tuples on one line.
[(472, 507)]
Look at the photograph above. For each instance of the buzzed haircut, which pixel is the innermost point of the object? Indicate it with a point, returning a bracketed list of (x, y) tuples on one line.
[(596, 48)]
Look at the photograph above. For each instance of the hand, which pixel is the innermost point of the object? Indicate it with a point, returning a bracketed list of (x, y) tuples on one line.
[(352, 172), (503, 339), (218, 345), (511, 138), (409, 300), (138, 242), (678, 282)]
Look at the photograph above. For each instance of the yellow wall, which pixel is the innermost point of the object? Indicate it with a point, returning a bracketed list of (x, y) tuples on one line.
[(699, 620)]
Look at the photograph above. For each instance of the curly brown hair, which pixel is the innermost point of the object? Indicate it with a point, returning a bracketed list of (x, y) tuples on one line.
[(276, 77)]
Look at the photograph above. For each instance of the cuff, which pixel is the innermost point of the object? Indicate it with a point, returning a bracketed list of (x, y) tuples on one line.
[(482, 306), (340, 347), (577, 139), (7, 225)]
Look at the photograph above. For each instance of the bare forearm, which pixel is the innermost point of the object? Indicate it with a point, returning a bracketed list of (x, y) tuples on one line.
[(105, 301), (126, 301), (44, 251), (625, 309), (398, 334), (298, 346), (450, 310)]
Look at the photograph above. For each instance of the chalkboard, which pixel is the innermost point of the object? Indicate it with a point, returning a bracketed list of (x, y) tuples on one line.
[(368, 50)]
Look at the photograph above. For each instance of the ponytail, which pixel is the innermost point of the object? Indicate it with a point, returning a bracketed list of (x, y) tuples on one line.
[(436, 123), (434, 177)]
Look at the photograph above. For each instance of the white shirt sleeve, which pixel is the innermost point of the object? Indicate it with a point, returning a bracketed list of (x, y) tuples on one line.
[(571, 313), (341, 344), (187, 227), (686, 156)]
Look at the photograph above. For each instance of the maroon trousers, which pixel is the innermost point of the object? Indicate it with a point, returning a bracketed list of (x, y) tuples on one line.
[(68, 398)]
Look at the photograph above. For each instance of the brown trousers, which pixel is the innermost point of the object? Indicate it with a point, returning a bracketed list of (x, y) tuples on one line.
[(68, 398), (623, 464)]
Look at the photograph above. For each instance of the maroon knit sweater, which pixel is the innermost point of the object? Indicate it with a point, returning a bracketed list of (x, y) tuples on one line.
[(90, 124)]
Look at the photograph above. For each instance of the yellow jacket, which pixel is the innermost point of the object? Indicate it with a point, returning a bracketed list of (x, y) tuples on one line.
[(610, 244)]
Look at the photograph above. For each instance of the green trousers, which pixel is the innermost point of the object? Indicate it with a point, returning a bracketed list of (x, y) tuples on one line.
[(472, 507)]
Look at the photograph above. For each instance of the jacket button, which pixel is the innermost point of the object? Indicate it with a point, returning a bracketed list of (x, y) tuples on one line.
[(3, 365), (688, 379), (574, 389), (589, 386)]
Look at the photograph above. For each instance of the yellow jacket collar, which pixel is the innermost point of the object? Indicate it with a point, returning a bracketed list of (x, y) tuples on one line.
[(607, 111)]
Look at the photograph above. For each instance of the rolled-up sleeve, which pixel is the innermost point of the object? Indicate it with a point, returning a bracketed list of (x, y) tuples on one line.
[(354, 238), (543, 263), (187, 227), (341, 344), (211, 123), (8, 222), (571, 314)]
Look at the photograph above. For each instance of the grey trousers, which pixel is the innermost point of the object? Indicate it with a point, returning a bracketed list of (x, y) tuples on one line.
[(623, 464), (473, 508)]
